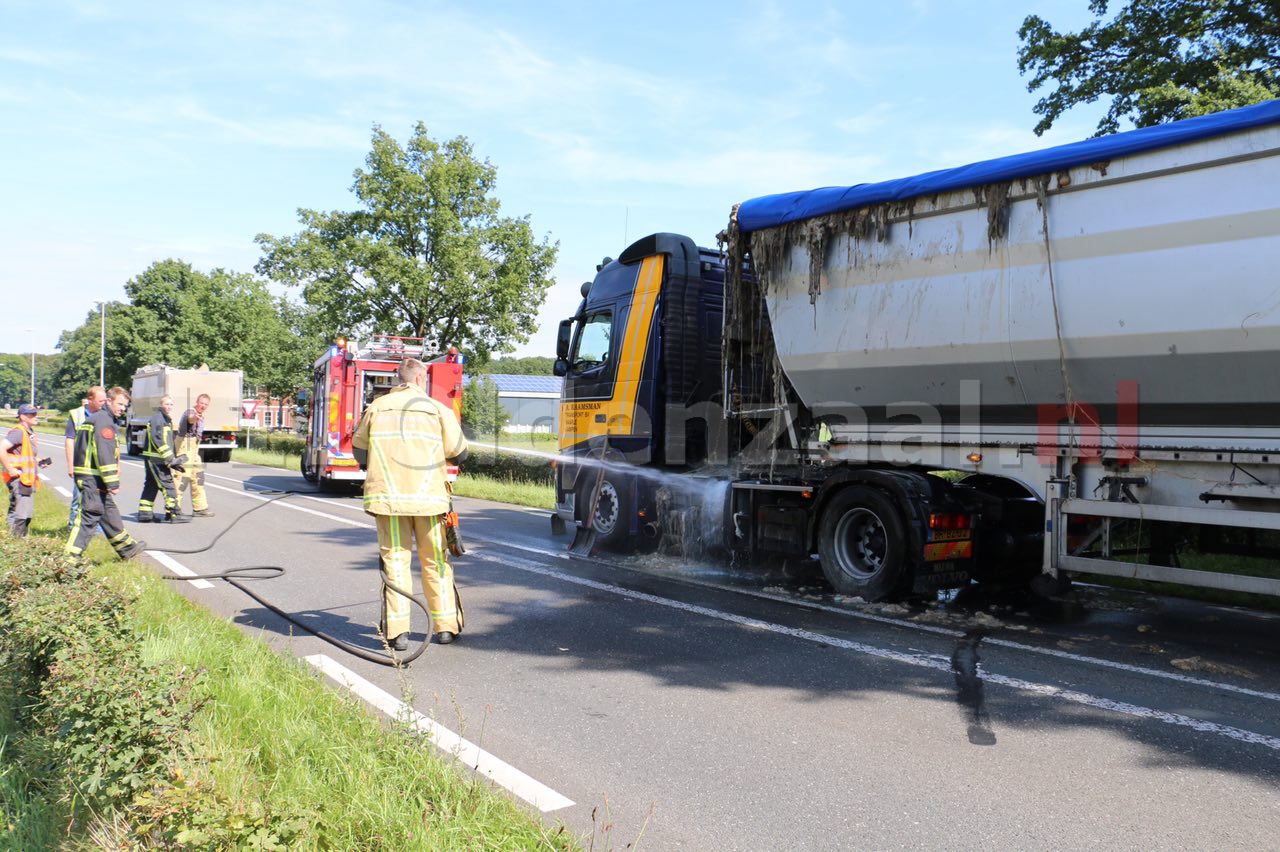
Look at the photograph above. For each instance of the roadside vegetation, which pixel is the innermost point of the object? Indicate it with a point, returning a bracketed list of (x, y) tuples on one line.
[(132, 718), (488, 474)]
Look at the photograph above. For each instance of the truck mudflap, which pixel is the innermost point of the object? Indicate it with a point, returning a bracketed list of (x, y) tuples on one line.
[(932, 577)]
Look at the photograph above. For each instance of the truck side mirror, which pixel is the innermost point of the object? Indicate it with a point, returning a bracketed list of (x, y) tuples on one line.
[(561, 367), (563, 337)]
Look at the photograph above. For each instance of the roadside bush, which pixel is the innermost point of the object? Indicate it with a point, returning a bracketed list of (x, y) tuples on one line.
[(508, 466), (277, 442), (91, 724)]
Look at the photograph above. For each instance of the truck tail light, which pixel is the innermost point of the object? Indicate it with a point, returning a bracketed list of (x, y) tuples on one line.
[(950, 521)]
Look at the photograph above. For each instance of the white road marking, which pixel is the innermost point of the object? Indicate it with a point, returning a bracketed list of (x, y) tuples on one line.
[(501, 773), (178, 568), (941, 631), (1078, 697), (929, 661)]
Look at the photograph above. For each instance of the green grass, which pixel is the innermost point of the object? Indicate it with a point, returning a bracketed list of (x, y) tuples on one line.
[(498, 489), (271, 733), (266, 458), (505, 491)]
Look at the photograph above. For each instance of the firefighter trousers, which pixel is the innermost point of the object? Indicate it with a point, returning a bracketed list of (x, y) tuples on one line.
[(159, 478), (98, 507), (194, 476), (396, 536)]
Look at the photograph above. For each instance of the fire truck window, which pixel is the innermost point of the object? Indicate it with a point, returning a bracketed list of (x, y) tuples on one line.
[(593, 342)]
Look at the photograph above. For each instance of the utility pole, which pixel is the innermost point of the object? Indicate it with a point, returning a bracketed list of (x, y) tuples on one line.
[(102, 345)]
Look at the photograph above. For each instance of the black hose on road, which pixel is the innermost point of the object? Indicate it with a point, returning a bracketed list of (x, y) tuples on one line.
[(235, 576)]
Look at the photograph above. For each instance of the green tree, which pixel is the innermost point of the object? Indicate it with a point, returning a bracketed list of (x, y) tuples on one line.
[(532, 365), (1158, 60), (182, 317), (482, 413), (427, 254), (15, 379)]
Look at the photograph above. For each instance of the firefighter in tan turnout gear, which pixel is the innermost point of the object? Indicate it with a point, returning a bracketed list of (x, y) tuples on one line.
[(410, 438), (96, 457), (190, 433), (161, 463)]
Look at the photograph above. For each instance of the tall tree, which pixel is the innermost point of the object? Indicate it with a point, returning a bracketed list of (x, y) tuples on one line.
[(427, 254), (1158, 60), (182, 317)]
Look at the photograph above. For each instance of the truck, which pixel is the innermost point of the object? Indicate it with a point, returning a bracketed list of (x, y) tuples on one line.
[(221, 420), (1038, 367), (349, 376)]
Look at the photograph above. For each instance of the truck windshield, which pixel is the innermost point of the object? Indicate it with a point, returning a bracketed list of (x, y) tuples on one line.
[(592, 349)]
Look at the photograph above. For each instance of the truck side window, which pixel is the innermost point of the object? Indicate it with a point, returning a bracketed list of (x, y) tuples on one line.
[(592, 348)]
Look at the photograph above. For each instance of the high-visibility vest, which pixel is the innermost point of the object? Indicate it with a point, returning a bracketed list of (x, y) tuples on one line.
[(26, 463)]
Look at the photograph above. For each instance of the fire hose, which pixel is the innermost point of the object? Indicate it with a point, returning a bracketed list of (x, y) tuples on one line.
[(237, 576)]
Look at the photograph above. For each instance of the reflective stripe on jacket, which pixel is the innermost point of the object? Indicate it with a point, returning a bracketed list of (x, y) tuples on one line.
[(409, 436), (160, 437), (26, 462), (96, 452)]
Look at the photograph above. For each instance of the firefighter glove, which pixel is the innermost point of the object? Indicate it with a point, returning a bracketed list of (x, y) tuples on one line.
[(177, 462)]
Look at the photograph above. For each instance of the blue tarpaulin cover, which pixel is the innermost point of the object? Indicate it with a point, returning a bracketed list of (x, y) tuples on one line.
[(771, 210)]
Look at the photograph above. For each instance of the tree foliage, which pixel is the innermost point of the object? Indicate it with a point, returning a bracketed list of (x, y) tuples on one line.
[(427, 254), (482, 411), (531, 365), (182, 317), (1158, 60), (15, 378)]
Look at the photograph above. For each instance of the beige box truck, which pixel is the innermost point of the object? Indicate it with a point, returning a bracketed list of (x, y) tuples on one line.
[(221, 421)]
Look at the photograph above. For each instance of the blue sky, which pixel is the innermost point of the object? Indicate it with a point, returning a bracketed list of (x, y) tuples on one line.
[(132, 132)]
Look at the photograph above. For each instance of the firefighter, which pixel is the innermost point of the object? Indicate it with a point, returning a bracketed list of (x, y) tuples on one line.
[(161, 463), (97, 469), (96, 398), (190, 433), (406, 437), (18, 451)]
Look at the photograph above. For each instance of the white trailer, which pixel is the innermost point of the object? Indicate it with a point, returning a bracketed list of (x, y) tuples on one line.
[(1061, 362), (221, 420), (1096, 325)]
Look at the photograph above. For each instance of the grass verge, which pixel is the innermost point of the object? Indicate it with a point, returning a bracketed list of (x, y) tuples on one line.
[(513, 479), (270, 756)]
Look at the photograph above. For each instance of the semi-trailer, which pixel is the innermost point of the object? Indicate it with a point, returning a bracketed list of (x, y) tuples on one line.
[(1056, 363)]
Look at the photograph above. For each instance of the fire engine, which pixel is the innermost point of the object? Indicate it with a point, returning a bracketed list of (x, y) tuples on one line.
[(346, 379)]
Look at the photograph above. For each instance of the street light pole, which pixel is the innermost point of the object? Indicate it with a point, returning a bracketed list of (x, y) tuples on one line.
[(33, 366), (102, 349)]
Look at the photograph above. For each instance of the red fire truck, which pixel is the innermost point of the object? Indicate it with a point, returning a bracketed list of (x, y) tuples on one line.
[(350, 376)]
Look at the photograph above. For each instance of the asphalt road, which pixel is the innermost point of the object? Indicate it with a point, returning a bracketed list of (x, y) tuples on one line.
[(685, 704)]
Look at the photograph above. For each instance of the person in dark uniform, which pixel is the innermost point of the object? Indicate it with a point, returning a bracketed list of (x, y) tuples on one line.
[(160, 460), (97, 471)]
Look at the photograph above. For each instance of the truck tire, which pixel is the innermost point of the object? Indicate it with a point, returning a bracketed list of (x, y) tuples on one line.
[(862, 542), (609, 522), (308, 472)]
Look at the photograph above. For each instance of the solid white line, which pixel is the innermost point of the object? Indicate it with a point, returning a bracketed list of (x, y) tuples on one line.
[(1176, 677), (501, 773), (929, 661), (285, 504), (941, 631), (178, 568)]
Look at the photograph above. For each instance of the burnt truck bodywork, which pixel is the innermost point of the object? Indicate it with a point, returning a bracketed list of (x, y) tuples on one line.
[(666, 439), (1055, 363)]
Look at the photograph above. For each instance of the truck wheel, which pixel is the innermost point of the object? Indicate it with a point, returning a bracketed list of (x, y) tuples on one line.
[(863, 543), (610, 518), (308, 472)]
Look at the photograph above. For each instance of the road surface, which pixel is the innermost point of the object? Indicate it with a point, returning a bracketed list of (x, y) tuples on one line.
[(690, 705)]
